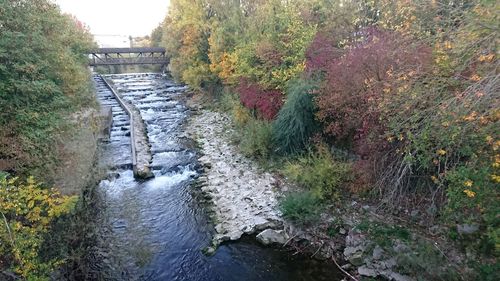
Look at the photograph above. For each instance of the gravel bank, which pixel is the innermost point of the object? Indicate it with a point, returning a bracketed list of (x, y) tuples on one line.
[(243, 196)]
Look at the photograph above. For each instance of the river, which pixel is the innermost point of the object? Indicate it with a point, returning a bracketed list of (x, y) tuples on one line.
[(158, 226)]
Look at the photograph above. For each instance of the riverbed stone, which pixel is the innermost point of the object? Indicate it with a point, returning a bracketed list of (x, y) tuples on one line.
[(242, 196), (467, 229), (271, 236), (377, 253), (356, 258), (391, 275), (366, 271)]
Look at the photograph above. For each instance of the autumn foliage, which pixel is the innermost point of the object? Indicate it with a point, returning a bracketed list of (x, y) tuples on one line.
[(27, 210), (266, 103), (407, 89)]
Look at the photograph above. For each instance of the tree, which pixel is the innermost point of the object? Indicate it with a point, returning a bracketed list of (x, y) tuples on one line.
[(43, 76)]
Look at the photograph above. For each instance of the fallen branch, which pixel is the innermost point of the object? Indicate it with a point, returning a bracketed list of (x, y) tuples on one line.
[(343, 271), (320, 246), (300, 251), (288, 241)]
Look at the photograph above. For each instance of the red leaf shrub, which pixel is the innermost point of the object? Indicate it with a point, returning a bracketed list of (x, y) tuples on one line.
[(357, 84), (322, 52), (267, 103)]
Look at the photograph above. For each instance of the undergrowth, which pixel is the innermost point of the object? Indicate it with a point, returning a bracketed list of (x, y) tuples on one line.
[(319, 173), (301, 207)]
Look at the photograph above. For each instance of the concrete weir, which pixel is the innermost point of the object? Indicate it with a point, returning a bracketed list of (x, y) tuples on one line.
[(140, 151)]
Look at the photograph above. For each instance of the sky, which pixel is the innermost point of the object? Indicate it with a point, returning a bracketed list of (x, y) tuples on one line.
[(117, 17)]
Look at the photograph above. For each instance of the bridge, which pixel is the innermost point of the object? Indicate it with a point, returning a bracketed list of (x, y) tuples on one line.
[(127, 56)]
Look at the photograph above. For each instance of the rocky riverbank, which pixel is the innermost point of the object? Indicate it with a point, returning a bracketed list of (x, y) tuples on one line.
[(243, 196), (359, 240)]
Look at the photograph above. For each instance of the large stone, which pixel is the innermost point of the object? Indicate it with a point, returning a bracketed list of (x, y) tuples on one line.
[(271, 236), (365, 271), (143, 173), (356, 259), (378, 252), (467, 229), (391, 275)]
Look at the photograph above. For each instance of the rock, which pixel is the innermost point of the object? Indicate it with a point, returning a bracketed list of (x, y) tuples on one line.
[(143, 173), (247, 229), (219, 228), (355, 247), (387, 264), (391, 275), (235, 235), (356, 259), (342, 231), (378, 252), (113, 175), (365, 271), (270, 236), (209, 251), (349, 251), (467, 229)]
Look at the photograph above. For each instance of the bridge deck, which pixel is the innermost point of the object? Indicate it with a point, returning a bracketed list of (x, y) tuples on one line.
[(118, 56)]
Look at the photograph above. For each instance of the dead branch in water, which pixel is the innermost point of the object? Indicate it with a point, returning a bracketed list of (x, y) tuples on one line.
[(343, 271), (320, 246), (288, 241)]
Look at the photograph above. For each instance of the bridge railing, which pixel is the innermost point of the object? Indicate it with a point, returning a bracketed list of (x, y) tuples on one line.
[(127, 56)]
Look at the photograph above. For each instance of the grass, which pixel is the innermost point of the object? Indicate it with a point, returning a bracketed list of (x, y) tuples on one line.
[(301, 207)]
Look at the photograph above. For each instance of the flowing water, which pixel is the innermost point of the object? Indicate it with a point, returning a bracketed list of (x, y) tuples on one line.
[(158, 227)]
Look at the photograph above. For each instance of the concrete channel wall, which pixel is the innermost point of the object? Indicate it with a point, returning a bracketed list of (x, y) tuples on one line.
[(141, 155)]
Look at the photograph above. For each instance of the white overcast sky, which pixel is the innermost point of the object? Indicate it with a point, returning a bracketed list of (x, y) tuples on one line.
[(117, 17)]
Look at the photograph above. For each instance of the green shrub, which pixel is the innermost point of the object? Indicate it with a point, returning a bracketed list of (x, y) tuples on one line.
[(301, 207), (255, 138), (228, 101), (27, 210), (295, 123), (319, 173)]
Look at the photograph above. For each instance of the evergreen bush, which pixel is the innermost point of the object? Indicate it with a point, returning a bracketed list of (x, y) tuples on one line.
[(295, 123)]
